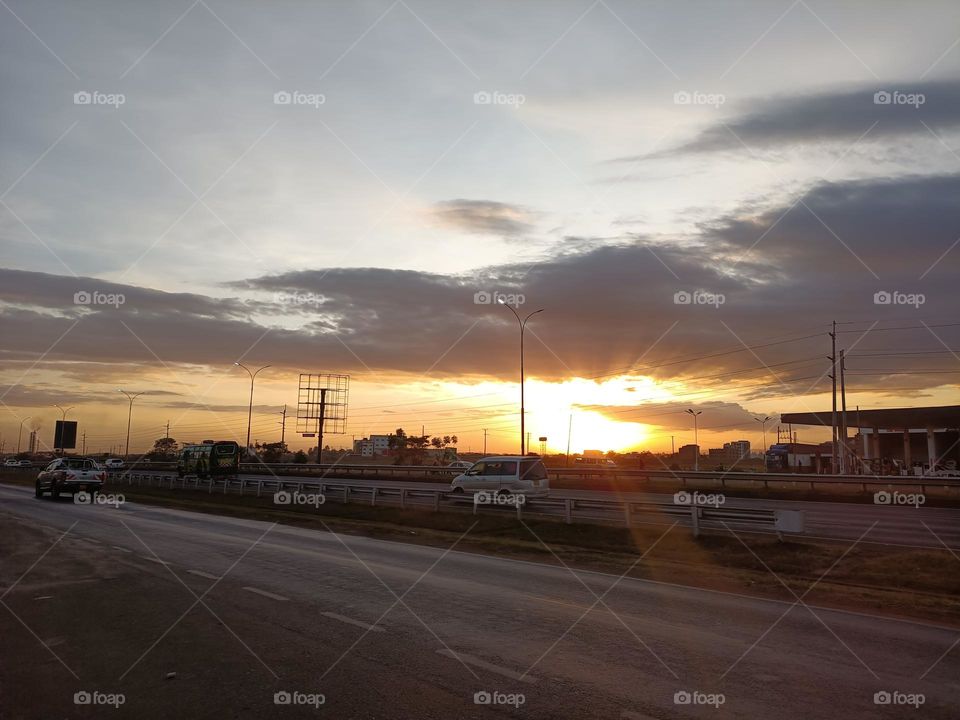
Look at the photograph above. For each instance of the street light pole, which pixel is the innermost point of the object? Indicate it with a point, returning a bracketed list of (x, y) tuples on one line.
[(131, 397), (763, 431), (20, 432), (523, 326), (696, 441), (250, 409)]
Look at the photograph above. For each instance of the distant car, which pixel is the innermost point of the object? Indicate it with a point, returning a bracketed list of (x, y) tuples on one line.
[(506, 475), (113, 464), (460, 465), (17, 463), (70, 475)]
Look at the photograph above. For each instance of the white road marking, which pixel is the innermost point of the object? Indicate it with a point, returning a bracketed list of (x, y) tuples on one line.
[(203, 574), (153, 559), (470, 660), (122, 549), (265, 593), (358, 623)]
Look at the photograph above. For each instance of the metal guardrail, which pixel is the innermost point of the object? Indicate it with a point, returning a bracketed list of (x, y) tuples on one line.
[(595, 511), (683, 477)]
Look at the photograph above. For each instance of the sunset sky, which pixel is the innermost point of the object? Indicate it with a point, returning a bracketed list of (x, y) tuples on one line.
[(604, 162)]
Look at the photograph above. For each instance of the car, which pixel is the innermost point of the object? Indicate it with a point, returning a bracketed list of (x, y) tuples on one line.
[(504, 475), (70, 475), (113, 464), (460, 465)]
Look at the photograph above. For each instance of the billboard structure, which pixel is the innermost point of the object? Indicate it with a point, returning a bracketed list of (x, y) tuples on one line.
[(322, 406), (65, 435)]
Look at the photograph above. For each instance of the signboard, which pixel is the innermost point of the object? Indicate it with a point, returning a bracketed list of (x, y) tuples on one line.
[(65, 435)]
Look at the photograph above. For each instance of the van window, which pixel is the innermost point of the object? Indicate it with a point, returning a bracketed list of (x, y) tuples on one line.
[(500, 468), (533, 471), (476, 469), (224, 449)]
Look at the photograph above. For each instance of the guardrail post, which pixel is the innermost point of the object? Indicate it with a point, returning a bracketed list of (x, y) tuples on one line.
[(243, 482), (403, 498), (226, 482), (519, 505), (568, 511), (436, 501), (628, 514), (211, 487), (346, 493), (373, 497), (259, 487), (695, 518)]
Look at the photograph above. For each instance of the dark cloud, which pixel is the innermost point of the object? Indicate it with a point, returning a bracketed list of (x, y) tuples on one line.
[(484, 217), (779, 121), (725, 416), (783, 273)]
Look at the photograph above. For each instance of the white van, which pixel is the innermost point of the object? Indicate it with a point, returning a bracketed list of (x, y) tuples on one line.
[(506, 475)]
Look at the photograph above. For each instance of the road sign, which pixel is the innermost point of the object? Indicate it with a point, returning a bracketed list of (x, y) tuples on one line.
[(65, 435)]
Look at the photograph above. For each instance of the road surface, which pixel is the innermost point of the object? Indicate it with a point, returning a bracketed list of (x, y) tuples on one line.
[(391, 630)]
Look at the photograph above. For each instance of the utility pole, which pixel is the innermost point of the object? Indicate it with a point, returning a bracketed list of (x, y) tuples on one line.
[(84, 451), (528, 442), (167, 436), (845, 453), (283, 426), (673, 447), (569, 432), (833, 376), (484, 441)]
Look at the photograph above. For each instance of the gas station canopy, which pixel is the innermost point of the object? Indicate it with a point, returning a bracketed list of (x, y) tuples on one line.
[(947, 416)]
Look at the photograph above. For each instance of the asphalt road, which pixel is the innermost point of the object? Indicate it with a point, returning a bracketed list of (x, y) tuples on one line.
[(909, 526), (105, 599)]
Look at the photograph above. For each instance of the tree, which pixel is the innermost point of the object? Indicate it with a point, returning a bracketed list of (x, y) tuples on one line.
[(300, 457), (164, 448), (272, 452)]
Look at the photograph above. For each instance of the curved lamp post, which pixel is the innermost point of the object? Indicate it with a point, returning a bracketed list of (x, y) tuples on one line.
[(696, 442), (523, 326), (20, 432), (252, 375), (131, 397)]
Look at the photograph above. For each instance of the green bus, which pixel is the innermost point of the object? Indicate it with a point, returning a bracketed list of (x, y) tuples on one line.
[(220, 458)]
